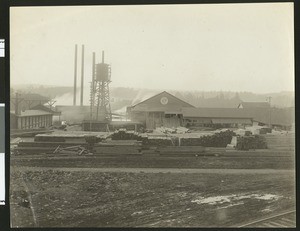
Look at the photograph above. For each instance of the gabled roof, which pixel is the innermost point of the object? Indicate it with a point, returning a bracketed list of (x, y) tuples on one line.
[(216, 113), (45, 108), (154, 103), (254, 105)]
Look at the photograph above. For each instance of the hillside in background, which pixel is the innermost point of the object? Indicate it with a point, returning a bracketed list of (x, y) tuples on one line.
[(122, 97)]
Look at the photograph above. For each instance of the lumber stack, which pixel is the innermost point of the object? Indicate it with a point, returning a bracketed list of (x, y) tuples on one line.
[(251, 142), (43, 147), (160, 141), (123, 134), (220, 139)]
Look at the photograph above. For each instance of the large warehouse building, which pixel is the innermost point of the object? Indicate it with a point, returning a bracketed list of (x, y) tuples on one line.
[(216, 117), (162, 109), (167, 110)]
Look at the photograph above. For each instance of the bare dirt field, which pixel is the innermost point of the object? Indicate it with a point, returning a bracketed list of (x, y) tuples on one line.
[(91, 198), (237, 162)]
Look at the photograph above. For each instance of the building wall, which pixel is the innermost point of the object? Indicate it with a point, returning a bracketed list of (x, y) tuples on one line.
[(207, 122), (154, 119), (28, 122), (172, 120), (159, 119), (196, 121)]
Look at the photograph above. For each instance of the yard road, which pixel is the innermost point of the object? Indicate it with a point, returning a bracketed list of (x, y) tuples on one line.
[(161, 170)]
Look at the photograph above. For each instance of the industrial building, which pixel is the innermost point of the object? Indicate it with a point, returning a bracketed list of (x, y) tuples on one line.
[(162, 109), (30, 119), (167, 110), (29, 113), (216, 117)]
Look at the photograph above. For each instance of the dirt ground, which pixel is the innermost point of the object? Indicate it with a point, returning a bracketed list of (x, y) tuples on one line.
[(272, 162), (62, 198)]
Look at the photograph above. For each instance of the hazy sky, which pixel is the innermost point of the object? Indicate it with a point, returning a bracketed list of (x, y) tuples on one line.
[(237, 47)]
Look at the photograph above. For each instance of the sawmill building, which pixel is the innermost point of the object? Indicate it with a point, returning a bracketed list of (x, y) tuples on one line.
[(162, 109), (167, 110)]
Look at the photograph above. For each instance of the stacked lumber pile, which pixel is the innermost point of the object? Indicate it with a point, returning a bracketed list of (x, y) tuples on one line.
[(118, 147), (160, 141), (220, 139), (251, 142), (123, 134), (43, 147), (39, 138)]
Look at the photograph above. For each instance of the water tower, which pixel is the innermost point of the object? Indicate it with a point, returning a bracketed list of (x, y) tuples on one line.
[(99, 96)]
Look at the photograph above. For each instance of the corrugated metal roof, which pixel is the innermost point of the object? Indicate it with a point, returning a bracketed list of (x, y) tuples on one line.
[(167, 110), (278, 116), (216, 113), (45, 108)]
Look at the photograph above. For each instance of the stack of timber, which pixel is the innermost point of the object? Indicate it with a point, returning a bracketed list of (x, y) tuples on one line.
[(220, 139), (118, 147), (43, 147), (251, 142), (67, 137), (123, 134), (160, 141), (48, 143)]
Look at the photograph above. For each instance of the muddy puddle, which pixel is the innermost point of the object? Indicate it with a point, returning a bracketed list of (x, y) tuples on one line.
[(234, 199)]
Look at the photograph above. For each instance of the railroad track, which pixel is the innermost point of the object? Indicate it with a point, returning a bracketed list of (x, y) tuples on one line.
[(283, 220)]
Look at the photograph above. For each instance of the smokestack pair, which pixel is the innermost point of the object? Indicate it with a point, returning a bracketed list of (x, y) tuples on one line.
[(75, 75)]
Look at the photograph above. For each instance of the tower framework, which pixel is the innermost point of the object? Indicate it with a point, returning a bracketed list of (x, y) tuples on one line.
[(100, 109)]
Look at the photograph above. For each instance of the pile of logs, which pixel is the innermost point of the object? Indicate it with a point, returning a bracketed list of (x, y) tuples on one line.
[(251, 142), (220, 139), (123, 134)]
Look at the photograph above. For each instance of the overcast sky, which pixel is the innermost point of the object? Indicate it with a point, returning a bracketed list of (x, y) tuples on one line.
[(237, 47)]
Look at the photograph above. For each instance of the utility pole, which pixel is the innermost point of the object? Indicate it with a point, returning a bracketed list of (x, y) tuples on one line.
[(269, 100)]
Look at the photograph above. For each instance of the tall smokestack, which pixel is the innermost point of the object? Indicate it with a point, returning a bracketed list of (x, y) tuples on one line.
[(75, 76), (102, 56), (82, 74)]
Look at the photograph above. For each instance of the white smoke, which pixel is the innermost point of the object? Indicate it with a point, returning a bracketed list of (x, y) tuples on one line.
[(67, 98), (121, 111), (143, 95)]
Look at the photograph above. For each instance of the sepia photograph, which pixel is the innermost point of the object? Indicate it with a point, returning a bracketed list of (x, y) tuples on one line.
[(173, 115)]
